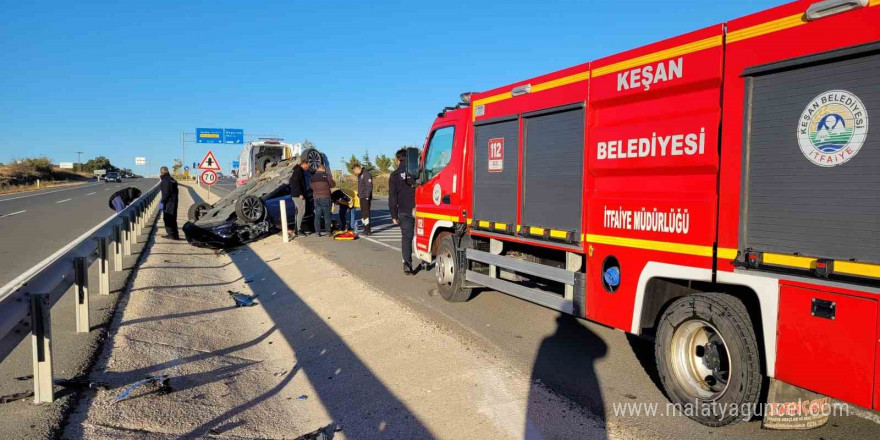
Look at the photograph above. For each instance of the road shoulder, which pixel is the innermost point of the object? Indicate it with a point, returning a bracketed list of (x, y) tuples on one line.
[(322, 349)]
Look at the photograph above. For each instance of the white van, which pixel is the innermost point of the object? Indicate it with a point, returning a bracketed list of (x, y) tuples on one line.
[(257, 156)]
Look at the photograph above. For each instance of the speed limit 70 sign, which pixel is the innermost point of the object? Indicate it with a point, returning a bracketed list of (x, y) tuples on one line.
[(209, 177)]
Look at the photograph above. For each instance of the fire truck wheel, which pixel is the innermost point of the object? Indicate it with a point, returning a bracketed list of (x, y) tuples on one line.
[(708, 360), (449, 278)]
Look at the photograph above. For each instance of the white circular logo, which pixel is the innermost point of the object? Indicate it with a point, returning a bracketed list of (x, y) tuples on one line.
[(833, 128), (437, 194)]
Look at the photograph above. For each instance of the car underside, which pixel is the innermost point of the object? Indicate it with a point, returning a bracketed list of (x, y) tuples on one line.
[(247, 213)]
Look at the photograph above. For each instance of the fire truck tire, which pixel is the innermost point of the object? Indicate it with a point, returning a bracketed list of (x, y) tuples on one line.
[(708, 359), (449, 279)]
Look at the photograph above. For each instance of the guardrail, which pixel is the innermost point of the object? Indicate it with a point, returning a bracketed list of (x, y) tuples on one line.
[(25, 302)]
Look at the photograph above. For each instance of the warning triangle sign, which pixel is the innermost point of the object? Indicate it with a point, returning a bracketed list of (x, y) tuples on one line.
[(209, 162)]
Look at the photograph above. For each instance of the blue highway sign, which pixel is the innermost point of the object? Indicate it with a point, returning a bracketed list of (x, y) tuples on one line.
[(209, 135), (233, 136)]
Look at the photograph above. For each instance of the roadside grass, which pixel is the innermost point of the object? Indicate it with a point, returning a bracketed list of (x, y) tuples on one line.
[(39, 173)]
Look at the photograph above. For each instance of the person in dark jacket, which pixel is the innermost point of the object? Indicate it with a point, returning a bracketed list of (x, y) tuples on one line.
[(365, 194), (401, 203), (298, 190), (321, 183), (168, 186)]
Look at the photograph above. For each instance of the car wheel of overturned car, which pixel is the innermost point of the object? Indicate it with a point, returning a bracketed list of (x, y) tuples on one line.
[(250, 209), (449, 278), (314, 158), (198, 210), (707, 358)]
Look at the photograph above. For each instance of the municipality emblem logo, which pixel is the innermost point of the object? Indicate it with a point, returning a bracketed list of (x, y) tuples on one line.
[(833, 128)]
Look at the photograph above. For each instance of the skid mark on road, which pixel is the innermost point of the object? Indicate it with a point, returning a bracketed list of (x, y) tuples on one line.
[(62, 201), (12, 213)]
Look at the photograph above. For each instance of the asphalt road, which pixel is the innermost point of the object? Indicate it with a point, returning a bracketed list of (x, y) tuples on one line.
[(224, 186), (35, 224), (596, 367)]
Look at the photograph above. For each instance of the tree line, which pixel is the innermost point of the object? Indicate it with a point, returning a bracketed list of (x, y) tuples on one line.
[(380, 163)]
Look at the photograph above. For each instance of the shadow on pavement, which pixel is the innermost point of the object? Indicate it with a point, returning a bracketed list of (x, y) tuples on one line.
[(349, 391), (566, 360)]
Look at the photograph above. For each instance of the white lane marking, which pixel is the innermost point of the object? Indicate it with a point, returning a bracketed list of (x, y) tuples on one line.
[(380, 243), (108, 189), (48, 192), (62, 201), (89, 194), (11, 214)]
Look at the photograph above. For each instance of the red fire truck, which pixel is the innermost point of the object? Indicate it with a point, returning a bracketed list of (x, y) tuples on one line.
[(717, 191)]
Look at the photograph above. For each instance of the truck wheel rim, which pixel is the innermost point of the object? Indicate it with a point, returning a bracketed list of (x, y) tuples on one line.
[(251, 209), (700, 360), (445, 269)]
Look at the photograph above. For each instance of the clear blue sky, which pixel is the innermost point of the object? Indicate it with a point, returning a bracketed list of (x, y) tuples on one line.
[(123, 79)]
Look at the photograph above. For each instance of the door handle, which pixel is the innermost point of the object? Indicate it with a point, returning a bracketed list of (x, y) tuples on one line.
[(446, 200)]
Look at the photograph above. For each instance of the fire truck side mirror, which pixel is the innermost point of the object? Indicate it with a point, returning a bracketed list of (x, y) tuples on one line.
[(412, 163)]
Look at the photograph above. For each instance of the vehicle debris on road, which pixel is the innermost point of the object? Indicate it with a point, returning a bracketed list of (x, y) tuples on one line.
[(162, 380), (242, 300)]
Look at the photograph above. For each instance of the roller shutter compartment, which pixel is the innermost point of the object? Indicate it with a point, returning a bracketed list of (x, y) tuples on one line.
[(812, 173), (553, 169), (495, 180)]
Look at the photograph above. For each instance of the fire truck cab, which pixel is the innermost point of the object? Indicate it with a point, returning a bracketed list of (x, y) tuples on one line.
[(716, 191)]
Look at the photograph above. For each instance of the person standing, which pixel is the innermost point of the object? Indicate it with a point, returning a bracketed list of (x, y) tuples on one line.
[(364, 194), (321, 183), (298, 194), (168, 186), (401, 203)]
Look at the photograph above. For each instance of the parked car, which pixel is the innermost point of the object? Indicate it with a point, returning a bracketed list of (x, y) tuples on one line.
[(248, 212), (112, 177)]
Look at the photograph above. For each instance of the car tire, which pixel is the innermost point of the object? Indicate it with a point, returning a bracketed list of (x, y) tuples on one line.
[(449, 278), (314, 157), (250, 209), (264, 163), (198, 210), (708, 358)]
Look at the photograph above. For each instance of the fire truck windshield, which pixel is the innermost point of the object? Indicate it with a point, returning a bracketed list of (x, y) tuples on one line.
[(439, 151)]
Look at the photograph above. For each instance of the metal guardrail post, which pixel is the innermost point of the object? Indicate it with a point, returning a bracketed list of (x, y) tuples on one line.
[(41, 344), (126, 232), (136, 213), (103, 266), (81, 289), (134, 228), (117, 248)]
